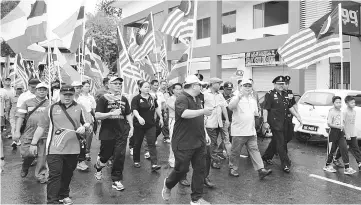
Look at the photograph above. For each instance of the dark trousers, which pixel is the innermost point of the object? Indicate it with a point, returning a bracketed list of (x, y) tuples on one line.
[(342, 145), (150, 133), (354, 149), (208, 160), (183, 158), (165, 128), (277, 145), (289, 135), (131, 142), (213, 133), (61, 168)]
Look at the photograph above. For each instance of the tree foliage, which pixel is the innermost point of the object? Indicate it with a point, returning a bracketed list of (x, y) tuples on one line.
[(6, 7), (105, 7)]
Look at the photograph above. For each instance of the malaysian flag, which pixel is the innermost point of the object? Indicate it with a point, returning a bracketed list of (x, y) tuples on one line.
[(126, 69), (144, 39), (180, 68), (320, 41), (180, 22)]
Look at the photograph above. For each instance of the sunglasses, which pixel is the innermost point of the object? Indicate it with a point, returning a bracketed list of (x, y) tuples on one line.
[(116, 83)]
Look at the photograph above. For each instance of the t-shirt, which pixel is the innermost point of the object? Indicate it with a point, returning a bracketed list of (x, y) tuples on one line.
[(146, 109), (3, 98), (243, 122), (188, 133), (23, 97), (334, 117), (10, 92), (100, 92), (34, 118), (160, 98), (349, 117), (87, 101), (111, 127), (62, 138)]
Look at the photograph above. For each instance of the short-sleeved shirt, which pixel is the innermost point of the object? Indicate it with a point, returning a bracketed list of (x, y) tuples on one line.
[(32, 120), (160, 98), (3, 98), (349, 117), (291, 100), (334, 117), (217, 101), (87, 101), (112, 127), (23, 97), (62, 138), (146, 109), (171, 106), (188, 133), (277, 106), (243, 122), (100, 92)]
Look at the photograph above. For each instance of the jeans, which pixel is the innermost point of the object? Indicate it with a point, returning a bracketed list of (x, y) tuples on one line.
[(89, 138), (213, 135), (41, 168), (61, 168), (225, 141), (171, 159), (252, 147), (183, 158), (277, 146), (354, 149), (139, 133)]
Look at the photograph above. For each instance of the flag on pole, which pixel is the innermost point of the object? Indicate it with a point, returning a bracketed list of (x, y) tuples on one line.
[(148, 68), (320, 41), (180, 22), (144, 39), (67, 72), (98, 60), (91, 68), (25, 25), (132, 42), (180, 68), (71, 31), (19, 73)]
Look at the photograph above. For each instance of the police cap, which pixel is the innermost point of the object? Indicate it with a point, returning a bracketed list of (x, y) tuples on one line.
[(279, 79)]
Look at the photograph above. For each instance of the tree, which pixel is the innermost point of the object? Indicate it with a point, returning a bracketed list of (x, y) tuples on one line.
[(6, 7), (105, 7)]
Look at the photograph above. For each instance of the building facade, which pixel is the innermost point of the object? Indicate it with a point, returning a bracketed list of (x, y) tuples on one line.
[(245, 35)]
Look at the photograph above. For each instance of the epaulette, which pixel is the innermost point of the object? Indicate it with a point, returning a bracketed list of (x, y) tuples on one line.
[(269, 92)]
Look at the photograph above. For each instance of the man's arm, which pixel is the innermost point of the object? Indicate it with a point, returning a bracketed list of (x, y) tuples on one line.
[(295, 113), (37, 135)]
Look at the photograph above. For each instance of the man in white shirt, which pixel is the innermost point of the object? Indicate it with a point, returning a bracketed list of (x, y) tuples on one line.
[(214, 122), (244, 107), (28, 94)]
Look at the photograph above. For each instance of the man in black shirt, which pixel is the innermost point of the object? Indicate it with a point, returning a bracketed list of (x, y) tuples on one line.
[(112, 109), (189, 140)]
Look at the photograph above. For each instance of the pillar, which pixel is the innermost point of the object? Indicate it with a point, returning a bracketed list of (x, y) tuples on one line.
[(216, 37)]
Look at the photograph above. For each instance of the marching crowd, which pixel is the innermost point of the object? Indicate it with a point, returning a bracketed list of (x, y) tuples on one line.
[(55, 131)]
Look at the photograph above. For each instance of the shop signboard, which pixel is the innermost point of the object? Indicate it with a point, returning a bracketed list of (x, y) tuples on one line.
[(351, 17), (263, 58)]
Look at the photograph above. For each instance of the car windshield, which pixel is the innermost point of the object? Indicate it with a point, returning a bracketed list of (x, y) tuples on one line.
[(317, 99)]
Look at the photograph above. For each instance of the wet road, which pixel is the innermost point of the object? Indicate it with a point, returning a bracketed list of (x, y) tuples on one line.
[(144, 187)]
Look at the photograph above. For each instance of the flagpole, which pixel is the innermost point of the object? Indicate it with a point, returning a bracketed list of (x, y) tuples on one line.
[(155, 45), (341, 40), (57, 65), (49, 73), (190, 52)]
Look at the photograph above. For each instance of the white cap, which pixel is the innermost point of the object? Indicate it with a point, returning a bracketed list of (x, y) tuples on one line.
[(76, 84), (42, 85), (247, 81), (191, 79)]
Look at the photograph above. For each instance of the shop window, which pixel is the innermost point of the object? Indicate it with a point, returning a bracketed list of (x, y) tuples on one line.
[(229, 22), (203, 28), (335, 75), (271, 13)]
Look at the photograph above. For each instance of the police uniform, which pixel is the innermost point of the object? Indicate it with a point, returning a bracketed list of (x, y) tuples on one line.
[(291, 101), (277, 106)]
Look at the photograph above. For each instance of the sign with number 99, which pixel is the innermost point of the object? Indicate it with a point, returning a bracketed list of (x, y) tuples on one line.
[(351, 19)]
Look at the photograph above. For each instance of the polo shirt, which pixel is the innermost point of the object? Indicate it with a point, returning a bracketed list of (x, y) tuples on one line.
[(23, 97), (188, 133), (112, 127), (214, 100), (146, 109), (34, 118), (62, 138), (243, 122)]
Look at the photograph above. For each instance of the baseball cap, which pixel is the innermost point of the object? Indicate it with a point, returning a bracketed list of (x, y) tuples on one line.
[(247, 81), (228, 86), (192, 79), (42, 85), (76, 84), (114, 78), (215, 80), (33, 81), (65, 89)]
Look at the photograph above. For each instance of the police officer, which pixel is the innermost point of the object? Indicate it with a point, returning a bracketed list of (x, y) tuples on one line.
[(292, 102), (275, 112)]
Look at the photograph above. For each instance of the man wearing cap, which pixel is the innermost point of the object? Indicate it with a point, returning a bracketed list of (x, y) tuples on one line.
[(62, 143), (189, 140), (32, 83), (13, 101), (274, 116), (117, 125), (214, 123), (32, 111), (243, 130), (291, 100)]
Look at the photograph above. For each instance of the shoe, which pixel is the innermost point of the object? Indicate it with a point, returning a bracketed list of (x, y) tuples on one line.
[(185, 182), (349, 171), (199, 201), (34, 163), (233, 173), (337, 163), (118, 186), (43, 180), (268, 161), (155, 168), (243, 156), (8, 136), (208, 183), (131, 151), (136, 165), (287, 169), (146, 155), (87, 157), (166, 193), (262, 173), (24, 173), (329, 168), (215, 165), (18, 143), (167, 141), (66, 201), (98, 175), (359, 166), (14, 145), (82, 166), (109, 163)]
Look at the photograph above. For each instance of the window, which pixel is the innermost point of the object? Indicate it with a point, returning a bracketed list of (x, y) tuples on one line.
[(176, 41), (229, 22), (270, 14), (317, 99), (203, 28)]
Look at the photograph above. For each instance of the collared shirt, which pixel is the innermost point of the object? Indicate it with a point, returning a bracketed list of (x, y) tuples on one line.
[(23, 97), (62, 138), (188, 133), (243, 123), (217, 101), (87, 101)]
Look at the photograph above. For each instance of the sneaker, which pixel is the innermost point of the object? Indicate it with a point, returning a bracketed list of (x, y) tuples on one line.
[(167, 141), (233, 173), (131, 151), (14, 145), (98, 175), (118, 186), (137, 165), (147, 155), (359, 166), (349, 171), (337, 163), (155, 167), (67, 201), (82, 166), (166, 193), (87, 157), (329, 168), (18, 143), (185, 182), (109, 163), (262, 173), (243, 156), (24, 173), (199, 201)]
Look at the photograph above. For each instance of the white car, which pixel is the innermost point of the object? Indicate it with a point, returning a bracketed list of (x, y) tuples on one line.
[(314, 106)]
